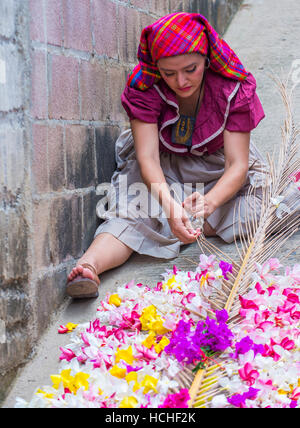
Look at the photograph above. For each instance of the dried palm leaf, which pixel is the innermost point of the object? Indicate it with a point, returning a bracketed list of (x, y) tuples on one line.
[(266, 232)]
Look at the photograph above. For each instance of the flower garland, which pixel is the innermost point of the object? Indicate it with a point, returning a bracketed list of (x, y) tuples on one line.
[(263, 366), (142, 338)]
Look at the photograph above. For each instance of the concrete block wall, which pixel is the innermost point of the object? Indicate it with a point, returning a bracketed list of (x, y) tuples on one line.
[(63, 67)]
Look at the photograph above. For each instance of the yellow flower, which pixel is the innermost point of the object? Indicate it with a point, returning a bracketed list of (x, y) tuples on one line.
[(114, 299), (45, 394), (162, 344), (149, 383), (125, 354), (117, 372), (73, 383), (70, 326), (80, 380), (203, 279), (132, 376), (128, 403), (150, 320), (150, 340), (171, 282)]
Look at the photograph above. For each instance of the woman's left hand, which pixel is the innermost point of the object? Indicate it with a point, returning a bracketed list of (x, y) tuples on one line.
[(198, 205)]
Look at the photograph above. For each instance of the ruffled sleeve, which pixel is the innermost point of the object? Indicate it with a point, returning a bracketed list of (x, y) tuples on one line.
[(246, 110), (142, 105)]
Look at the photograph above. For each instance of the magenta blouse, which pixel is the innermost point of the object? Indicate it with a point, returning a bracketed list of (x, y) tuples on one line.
[(227, 104)]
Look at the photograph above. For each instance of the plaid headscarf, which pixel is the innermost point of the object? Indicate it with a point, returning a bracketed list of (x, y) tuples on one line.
[(177, 34)]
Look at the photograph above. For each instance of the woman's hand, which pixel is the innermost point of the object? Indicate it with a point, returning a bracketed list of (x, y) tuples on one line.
[(198, 206), (180, 224)]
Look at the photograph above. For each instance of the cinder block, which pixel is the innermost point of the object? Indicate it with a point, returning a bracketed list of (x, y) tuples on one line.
[(50, 293), (105, 151), (141, 4), (12, 158), (15, 349), (17, 263), (11, 85), (37, 29), (56, 163), (129, 34), (39, 167), (64, 91), (7, 21), (116, 84), (160, 8), (14, 307), (3, 240), (39, 96), (77, 24), (90, 219), (80, 153), (66, 228), (54, 22), (94, 105), (106, 28), (41, 220)]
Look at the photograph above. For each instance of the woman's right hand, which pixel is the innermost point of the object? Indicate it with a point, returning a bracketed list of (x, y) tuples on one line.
[(180, 224)]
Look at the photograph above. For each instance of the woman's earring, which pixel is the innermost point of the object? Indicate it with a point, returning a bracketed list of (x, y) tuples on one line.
[(207, 62)]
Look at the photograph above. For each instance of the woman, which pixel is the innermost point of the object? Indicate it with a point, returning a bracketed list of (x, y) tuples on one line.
[(192, 106)]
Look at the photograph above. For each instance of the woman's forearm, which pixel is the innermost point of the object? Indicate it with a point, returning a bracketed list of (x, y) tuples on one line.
[(227, 186), (155, 181)]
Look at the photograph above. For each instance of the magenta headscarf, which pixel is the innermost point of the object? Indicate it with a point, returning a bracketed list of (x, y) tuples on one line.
[(177, 34)]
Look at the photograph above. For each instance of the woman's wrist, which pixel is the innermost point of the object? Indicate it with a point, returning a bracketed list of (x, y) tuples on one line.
[(210, 205)]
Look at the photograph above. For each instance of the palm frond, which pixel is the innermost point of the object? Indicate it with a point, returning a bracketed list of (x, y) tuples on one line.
[(266, 232)]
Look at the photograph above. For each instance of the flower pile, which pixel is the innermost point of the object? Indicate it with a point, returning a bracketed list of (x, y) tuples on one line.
[(263, 366), (130, 354), (142, 338)]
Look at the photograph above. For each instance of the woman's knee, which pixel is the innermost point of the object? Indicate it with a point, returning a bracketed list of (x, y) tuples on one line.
[(208, 230)]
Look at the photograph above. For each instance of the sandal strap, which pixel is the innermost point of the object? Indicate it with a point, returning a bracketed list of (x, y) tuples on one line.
[(88, 266), (92, 268)]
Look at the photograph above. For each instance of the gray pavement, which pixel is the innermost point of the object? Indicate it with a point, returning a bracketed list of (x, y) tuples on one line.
[(265, 34)]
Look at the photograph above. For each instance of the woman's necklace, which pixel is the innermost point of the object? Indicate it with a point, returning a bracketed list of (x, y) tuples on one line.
[(182, 130)]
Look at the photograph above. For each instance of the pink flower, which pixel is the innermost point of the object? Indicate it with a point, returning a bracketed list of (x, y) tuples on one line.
[(293, 298), (207, 262), (131, 321), (248, 374), (248, 304), (176, 401), (67, 354), (259, 288), (85, 339), (269, 352), (287, 344), (295, 394), (62, 329), (265, 325), (145, 353), (188, 298)]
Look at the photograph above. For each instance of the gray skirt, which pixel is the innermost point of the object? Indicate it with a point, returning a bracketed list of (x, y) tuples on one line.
[(149, 232)]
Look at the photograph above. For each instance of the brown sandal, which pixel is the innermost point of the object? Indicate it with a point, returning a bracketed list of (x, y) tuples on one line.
[(81, 287)]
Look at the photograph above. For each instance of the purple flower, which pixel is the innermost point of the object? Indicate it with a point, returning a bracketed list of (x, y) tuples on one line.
[(225, 267), (176, 401), (222, 316), (245, 345), (239, 400), (210, 335)]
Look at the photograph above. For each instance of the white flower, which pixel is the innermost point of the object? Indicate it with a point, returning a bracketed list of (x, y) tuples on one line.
[(220, 401)]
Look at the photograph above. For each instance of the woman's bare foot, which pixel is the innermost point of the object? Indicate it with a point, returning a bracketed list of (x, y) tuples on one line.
[(83, 281), (80, 271)]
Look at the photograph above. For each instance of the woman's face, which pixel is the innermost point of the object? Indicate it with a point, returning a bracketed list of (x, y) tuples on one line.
[(183, 73)]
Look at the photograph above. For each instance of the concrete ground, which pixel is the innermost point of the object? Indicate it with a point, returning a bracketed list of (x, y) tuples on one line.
[(265, 34)]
